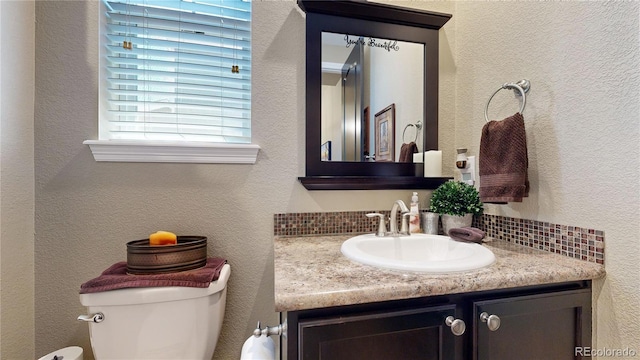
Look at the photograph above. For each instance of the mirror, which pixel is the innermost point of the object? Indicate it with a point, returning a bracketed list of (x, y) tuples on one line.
[(383, 94), (372, 98)]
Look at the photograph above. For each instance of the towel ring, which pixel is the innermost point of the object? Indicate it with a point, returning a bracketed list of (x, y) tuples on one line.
[(520, 89), (418, 127)]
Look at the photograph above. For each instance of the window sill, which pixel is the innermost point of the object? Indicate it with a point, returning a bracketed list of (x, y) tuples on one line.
[(172, 152)]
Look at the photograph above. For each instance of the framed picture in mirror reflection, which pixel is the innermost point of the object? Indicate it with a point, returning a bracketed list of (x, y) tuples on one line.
[(385, 133)]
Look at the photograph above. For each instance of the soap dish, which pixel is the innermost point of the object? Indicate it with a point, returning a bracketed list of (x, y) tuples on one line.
[(189, 253)]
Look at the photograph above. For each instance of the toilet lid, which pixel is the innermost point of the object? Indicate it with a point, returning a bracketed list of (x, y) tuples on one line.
[(68, 353)]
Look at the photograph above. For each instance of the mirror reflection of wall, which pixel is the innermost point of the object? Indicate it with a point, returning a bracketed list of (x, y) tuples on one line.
[(384, 72)]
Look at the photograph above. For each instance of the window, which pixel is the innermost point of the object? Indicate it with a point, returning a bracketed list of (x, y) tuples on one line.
[(175, 74)]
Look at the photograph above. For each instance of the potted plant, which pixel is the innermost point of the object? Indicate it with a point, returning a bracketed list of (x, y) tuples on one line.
[(456, 202)]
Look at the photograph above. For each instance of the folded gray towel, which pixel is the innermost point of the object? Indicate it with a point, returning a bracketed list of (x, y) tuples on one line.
[(467, 233)]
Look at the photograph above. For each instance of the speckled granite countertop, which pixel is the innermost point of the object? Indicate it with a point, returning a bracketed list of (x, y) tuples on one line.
[(311, 272)]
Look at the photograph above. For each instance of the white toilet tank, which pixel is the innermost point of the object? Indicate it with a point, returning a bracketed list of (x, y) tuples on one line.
[(158, 322)]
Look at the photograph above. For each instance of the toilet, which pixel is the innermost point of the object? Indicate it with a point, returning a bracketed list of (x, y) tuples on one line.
[(157, 322), (68, 353)]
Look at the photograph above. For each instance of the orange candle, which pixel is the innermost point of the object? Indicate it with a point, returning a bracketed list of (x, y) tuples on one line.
[(163, 238)]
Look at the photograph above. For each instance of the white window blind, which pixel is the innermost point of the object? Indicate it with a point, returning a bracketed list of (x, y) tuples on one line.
[(176, 70)]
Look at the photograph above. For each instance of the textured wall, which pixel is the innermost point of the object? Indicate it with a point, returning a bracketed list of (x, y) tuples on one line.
[(582, 123), (16, 180)]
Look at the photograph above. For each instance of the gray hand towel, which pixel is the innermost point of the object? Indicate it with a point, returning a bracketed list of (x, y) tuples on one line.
[(467, 233)]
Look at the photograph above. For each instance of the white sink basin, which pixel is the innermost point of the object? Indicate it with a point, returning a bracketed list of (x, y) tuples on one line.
[(417, 253)]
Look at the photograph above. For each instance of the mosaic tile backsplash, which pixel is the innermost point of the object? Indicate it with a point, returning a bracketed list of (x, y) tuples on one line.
[(581, 243)]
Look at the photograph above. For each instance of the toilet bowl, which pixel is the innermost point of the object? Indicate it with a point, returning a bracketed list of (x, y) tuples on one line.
[(68, 353), (157, 322)]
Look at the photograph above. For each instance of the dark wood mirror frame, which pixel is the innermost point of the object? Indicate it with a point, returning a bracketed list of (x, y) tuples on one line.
[(379, 21)]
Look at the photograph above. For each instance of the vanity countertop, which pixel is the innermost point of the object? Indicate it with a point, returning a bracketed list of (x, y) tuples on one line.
[(311, 272)]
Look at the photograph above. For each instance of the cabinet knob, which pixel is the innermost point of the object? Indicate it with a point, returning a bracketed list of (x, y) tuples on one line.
[(493, 321), (457, 326)]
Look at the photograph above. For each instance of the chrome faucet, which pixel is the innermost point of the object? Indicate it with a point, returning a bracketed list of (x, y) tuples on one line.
[(393, 220)]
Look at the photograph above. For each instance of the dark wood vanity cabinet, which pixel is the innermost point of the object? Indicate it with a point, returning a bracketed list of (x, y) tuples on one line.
[(541, 326), (542, 322), (415, 333)]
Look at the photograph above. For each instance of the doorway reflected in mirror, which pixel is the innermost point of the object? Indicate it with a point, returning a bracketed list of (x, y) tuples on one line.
[(325, 151)]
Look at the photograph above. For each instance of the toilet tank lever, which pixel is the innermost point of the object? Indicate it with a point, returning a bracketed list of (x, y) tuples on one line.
[(280, 329), (96, 318)]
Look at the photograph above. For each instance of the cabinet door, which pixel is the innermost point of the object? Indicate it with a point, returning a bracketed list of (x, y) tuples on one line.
[(545, 326), (405, 334)]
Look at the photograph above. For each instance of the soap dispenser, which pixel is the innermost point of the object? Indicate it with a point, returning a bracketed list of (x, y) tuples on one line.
[(414, 214)]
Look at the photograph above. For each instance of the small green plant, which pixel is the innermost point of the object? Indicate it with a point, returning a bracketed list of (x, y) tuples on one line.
[(456, 198)]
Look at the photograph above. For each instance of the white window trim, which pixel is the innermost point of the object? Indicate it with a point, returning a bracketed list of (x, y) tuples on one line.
[(172, 152)]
